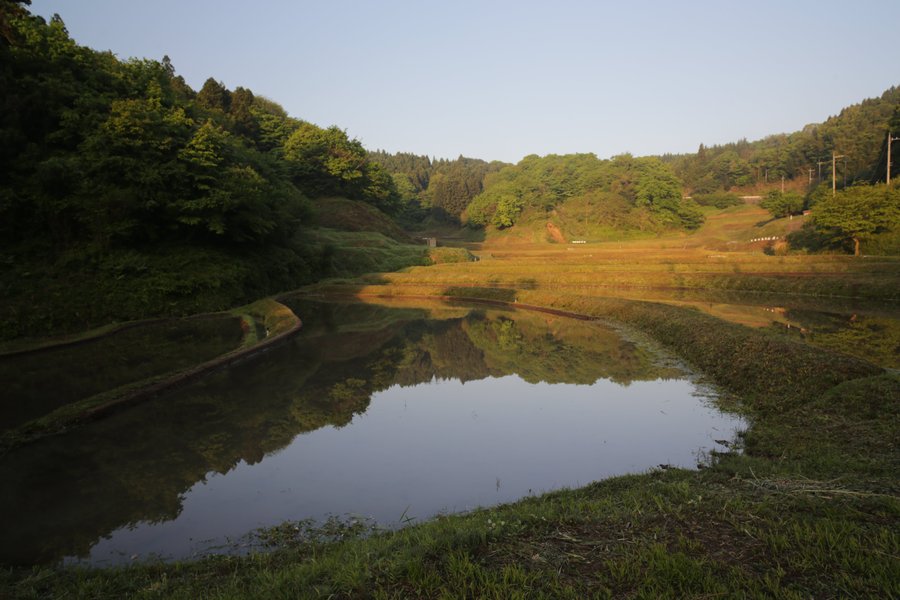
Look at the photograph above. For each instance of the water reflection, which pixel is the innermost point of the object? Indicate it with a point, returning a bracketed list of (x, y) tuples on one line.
[(36, 383), (867, 329), (873, 337), (436, 408)]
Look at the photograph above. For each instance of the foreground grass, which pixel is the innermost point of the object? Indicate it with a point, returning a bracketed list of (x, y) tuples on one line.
[(810, 508)]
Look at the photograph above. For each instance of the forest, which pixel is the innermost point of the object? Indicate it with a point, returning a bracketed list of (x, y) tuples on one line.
[(435, 189), (118, 181), (858, 134), (626, 192)]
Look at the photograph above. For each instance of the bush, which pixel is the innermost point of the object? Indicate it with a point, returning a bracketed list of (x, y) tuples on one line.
[(782, 204), (717, 199), (450, 255)]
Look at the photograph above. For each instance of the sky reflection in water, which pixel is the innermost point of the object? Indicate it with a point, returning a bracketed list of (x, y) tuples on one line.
[(375, 412)]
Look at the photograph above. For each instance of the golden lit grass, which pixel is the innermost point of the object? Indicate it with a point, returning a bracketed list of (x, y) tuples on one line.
[(586, 269)]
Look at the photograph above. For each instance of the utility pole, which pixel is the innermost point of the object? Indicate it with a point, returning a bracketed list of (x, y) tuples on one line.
[(890, 140), (834, 158), (810, 176), (782, 184), (820, 163)]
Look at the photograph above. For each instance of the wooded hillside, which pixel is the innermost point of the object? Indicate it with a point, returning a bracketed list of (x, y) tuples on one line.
[(124, 193)]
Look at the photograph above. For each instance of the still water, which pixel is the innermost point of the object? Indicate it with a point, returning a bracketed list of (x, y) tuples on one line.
[(394, 414)]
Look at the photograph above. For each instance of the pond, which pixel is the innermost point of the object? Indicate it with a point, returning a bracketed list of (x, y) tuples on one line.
[(390, 413)]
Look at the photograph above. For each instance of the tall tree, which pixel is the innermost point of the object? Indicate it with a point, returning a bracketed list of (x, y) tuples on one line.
[(214, 96), (858, 212), (241, 111)]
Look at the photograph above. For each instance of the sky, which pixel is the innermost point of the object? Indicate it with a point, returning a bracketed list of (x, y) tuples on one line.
[(500, 80)]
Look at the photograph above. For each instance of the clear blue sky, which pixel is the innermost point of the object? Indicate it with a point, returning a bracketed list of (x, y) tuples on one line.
[(501, 80)]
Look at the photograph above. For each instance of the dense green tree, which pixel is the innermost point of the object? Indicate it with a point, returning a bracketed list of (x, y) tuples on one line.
[(879, 173), (273, 123), (443, 187), (627, 191), (379, 189), (325, 161), (657, 185), (241, 112), (731, 170), (858, 213), (115, 175), (658, 189), (131, 170), (214, 96), (781, 204)]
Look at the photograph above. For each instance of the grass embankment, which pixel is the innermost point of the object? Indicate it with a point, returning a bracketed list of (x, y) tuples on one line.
[(348, 254), (43, 297), (352, 215), (104, 372), (809, 509)]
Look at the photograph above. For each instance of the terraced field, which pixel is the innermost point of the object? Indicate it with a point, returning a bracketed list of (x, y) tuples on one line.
[(804, 504)]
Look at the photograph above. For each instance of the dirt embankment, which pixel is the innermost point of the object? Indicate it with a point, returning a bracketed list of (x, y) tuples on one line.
[(555, 234)]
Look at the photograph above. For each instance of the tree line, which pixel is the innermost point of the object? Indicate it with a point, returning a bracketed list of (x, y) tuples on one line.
[(102, 152), (439, 188), (858, 134), (627, 192)]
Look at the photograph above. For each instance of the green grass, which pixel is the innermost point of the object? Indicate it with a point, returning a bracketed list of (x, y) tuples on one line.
[(352, 215), (442, 255), (348, 254)]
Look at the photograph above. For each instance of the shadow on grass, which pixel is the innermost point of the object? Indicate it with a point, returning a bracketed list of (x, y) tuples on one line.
[(482, 293)]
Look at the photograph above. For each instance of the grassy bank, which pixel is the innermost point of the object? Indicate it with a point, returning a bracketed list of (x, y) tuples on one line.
[(809, 509), (77, 293)]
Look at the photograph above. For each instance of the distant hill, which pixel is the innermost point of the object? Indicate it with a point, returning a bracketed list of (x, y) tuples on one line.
[(579, 197), (556, 198), (858, 132)]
